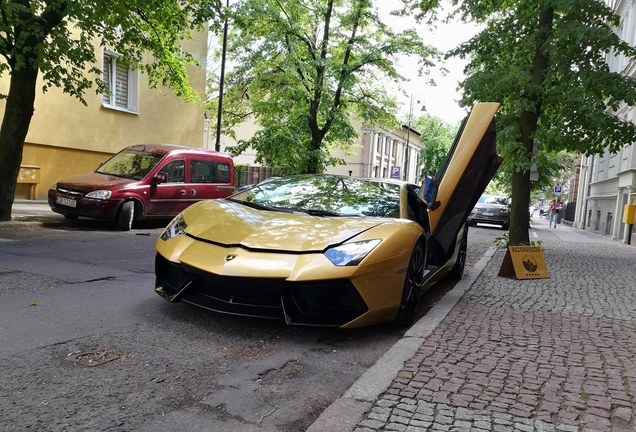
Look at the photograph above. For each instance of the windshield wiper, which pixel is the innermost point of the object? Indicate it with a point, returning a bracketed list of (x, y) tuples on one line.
[(314, 212), (115, 175)]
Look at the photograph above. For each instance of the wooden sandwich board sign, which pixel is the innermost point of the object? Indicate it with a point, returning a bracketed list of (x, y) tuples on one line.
[(524, 262)]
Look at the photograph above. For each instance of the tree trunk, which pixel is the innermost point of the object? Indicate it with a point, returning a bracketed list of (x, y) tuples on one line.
[(528, 121), (15, 125)]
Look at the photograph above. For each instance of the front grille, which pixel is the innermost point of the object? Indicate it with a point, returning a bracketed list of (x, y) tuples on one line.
[(328, 297), (69, 191), (169, 274), (239, 290)]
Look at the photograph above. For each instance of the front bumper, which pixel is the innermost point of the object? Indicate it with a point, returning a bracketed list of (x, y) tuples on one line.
[(494, 218), (84, 207), (328, 303)]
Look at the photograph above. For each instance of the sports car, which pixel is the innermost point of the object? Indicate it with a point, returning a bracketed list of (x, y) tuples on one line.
[(330, 250)]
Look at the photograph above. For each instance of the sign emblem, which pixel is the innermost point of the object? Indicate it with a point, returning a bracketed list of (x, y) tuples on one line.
[(524, 262), (230, 257)]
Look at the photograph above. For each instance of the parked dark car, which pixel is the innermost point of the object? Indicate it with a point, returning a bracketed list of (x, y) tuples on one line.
[(144, 181), (491, 209)]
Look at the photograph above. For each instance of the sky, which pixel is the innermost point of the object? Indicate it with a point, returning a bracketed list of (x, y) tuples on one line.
[(440, 100)]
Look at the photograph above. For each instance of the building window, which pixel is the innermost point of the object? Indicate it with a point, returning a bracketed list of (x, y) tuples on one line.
[(378, 147), (122, 83), (597, 222), (384, 173)]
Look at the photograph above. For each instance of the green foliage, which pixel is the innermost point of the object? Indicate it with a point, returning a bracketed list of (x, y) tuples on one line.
[(503, 241), (578, 88), (304, 70), (437, 138), (57, 37), (546, 63), (553, 168)]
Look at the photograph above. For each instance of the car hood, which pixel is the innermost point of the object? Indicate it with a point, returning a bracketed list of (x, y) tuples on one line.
[(233, 224), (91, 181)]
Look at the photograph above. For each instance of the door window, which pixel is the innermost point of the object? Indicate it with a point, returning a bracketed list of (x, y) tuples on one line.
[(209, 172), (175, 170)]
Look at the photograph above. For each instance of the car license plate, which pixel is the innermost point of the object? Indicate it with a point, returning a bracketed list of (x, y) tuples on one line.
[(489, 214), (66, 201)]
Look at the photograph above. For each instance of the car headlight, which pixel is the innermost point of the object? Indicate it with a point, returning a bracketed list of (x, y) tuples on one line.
[(504, 211), (53, 186), (99, 194), (175, 228), (350, 254)]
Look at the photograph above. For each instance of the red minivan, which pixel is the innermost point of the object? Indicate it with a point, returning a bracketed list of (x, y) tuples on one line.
[(144, 181)]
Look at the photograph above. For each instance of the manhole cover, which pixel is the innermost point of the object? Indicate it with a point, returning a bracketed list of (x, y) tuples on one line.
[(93, 358)]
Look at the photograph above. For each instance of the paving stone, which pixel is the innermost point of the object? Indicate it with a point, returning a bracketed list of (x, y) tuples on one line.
[(399, 419), (566, 428), (373, 415), (407, 407), (370, 423), (421, 424), (395, 427)]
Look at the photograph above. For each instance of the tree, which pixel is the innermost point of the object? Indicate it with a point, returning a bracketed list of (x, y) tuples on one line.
[(553, 168), (545, 61), (437, 138), (304, 69), (56, 39)]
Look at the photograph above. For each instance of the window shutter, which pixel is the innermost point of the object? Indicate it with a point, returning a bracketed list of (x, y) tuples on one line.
[(106, 77)]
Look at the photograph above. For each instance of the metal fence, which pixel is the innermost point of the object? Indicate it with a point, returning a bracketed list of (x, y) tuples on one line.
[(246, 175)]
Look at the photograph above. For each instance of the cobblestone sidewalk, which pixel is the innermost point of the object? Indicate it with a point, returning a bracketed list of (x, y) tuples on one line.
[(552, 354)]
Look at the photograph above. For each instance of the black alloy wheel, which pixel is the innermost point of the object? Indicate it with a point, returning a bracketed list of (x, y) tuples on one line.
[(413, 284)]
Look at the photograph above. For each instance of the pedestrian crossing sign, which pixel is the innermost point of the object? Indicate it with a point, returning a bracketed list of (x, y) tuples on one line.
[(524, 262)]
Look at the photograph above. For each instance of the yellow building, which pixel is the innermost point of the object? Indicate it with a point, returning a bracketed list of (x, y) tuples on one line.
[(66, 137)]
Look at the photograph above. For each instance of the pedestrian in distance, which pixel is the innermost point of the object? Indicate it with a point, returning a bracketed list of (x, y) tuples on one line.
[(554, 214)]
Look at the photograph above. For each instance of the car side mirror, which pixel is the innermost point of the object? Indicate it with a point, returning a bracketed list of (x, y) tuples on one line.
[(428, 193), (161, 177)]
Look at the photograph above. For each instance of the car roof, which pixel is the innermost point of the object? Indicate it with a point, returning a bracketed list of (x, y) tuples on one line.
[(165, 149)]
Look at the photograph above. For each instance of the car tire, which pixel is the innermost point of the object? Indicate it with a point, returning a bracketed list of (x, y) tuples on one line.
[(125, 216), (70, 216), (412, 289), (505, 226), (457, 271)]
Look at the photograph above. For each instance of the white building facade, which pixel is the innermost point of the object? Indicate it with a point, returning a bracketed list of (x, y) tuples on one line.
[(608, 181), (381, 153)]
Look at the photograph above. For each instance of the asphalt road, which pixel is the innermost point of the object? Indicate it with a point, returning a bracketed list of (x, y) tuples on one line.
[(86, 345)]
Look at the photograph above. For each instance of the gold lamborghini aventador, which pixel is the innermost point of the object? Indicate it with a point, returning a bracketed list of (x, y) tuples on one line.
[(330, 250)]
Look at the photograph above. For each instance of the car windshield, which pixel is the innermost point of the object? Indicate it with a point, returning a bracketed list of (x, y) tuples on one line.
[(326, 196), (489, 199), (130, 164)]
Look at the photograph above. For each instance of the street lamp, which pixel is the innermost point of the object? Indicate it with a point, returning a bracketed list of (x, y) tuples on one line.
[(408, 133), (217, 144)]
